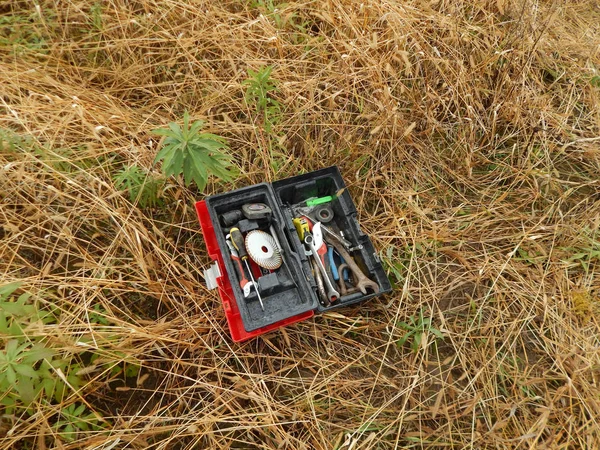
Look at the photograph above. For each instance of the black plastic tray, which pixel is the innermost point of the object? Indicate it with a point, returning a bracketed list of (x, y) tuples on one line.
[(322, 183)]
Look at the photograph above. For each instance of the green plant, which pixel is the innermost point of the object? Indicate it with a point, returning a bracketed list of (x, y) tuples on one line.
[(587, 252), (415, 328), (11, 142), (17, 374), (270, 9), (117, 363), (283, 20), (29, 368), (396, 261), (96, 15), (22, 33), (98, 315), (259, 87), (74, 419), (530, 257), (139, 184), (194, 154)]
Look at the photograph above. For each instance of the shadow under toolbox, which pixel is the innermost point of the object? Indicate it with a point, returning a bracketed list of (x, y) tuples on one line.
[(287, 250)]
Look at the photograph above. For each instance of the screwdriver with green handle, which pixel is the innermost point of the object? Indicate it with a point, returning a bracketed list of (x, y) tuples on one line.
[(237, 239)]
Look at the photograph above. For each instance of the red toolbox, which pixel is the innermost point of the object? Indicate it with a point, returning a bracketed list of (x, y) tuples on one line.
[(278, 247)]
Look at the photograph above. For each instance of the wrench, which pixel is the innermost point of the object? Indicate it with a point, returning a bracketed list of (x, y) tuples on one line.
[(332, 294), (362, 282), (320, 285), (308, 212), (342, 284)]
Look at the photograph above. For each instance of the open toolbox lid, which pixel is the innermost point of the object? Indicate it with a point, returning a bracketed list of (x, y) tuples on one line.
[(290, 293)]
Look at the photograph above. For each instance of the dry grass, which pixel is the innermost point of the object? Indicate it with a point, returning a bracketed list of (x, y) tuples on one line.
[(468, 134)]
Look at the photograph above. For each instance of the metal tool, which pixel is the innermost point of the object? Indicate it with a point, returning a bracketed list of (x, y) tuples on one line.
[(320, 286), (342, 284), (340, 280), (333, 265), (302, 225), (238, 242), (308, 213), (263, 250), (337, 237), (362, 281), (245, 284), (332, 294), (319, 241)]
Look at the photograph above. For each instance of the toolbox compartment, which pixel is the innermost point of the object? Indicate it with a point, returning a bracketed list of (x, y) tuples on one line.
[(328, 182), (290, 292)]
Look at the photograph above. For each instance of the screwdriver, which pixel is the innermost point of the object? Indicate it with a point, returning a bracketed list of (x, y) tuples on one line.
[(244, 283), (238, 242)]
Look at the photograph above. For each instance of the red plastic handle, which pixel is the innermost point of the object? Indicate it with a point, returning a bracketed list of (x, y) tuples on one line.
[(241, 272), (322, 251)]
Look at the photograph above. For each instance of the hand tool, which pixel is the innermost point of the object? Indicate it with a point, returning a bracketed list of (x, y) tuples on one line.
[(337, 237), (349, 246), (319, 200), (263, 250), (332, 294), (230, 218), (319, 242), (362, 281), (321, 247), (333, 265), (257, 211), (334, 269), (313, 201), (307, 214), (342, 284), (320, 286), (235, 257), (327, 230), (302, 227), (238, 242)]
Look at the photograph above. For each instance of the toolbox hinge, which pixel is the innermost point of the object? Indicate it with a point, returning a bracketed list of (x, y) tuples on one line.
[(210, 275)]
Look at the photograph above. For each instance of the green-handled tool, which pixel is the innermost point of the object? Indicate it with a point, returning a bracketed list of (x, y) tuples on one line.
[(237, 239), (319, 201), (311, 202)]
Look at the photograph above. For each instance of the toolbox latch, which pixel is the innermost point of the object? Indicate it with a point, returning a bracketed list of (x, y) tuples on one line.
[(210, 275)]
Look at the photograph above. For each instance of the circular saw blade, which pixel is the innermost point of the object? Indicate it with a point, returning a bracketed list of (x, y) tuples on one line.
[(263, 250)]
